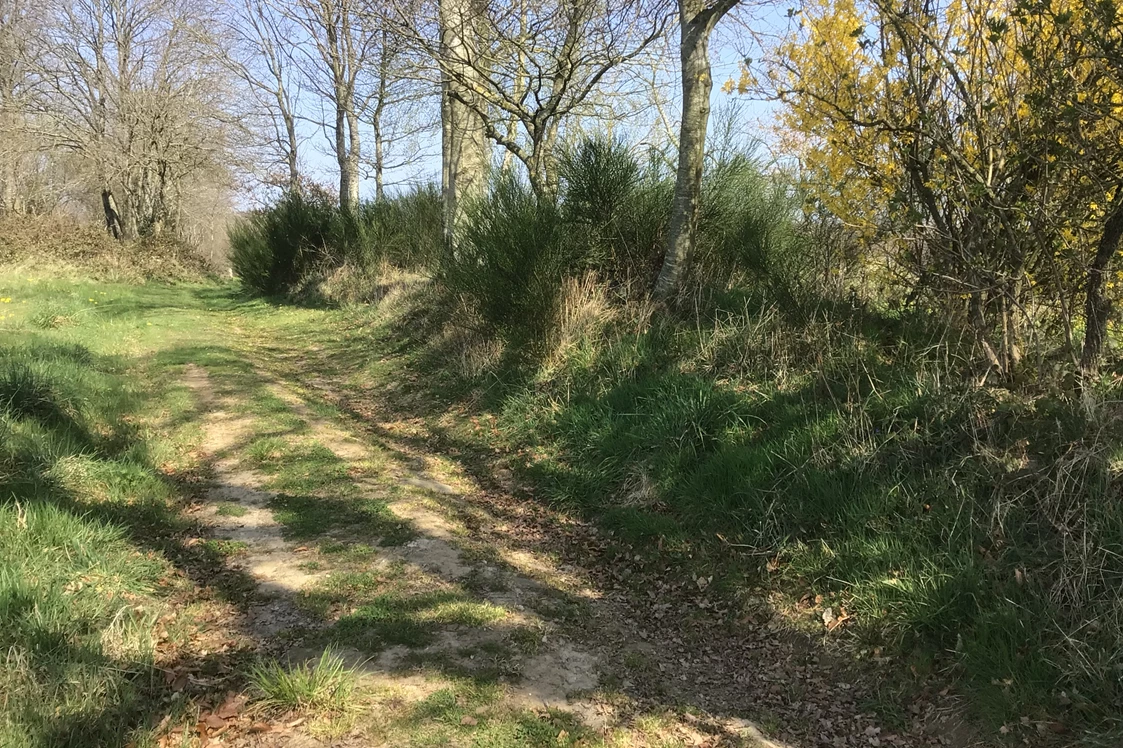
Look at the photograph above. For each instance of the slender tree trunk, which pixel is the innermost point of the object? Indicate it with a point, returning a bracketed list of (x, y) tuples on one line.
[(348, 175), (8, 188), (542, 164), (465, 155), (696, 21), (376, 117), (291, 154), (353, 150), (1097, 309), (446, 160), (379, 189), (130, 222), (112, 217)]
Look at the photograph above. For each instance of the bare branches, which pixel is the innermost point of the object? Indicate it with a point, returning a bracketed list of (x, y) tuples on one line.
[(537, 64)]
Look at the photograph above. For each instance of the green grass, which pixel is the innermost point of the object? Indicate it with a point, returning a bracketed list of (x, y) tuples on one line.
[(326, 684), (87, 515), (847, 461), (229, 509), (97, 457), (471, 713), (846, 456), (395, 606)]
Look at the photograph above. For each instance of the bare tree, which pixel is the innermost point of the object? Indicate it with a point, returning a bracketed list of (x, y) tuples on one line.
[(339, 51), (258, 51), (697, 19), (401, 107), (17, 82), (534, 65), (136, 93)]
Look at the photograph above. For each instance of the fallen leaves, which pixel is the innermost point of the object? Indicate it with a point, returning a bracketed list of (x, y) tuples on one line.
[(232, 706), (228, 718)]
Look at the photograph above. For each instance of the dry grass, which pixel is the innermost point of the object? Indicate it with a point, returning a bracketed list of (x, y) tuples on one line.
[(55, 245), (383, 286), (583, 312)]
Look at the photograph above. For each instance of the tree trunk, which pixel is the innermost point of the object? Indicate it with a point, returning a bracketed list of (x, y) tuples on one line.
[(353, 151), (543, 164), (1097, 309), (112, 217), (345, 158), (8, 186), (129, 218), (696, 22), (379, 157), (465, 155), (291, 154), (376, 117)]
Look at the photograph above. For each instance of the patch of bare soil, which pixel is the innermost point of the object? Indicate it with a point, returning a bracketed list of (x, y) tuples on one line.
[(560, 673), (269, 559)]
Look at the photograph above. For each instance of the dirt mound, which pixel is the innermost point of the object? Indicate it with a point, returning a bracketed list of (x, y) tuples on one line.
[(50, 241)]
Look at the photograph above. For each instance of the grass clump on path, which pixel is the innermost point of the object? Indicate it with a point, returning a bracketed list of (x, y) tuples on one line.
[(326, 684)]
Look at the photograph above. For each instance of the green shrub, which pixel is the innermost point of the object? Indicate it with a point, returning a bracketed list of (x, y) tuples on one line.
[(617, 212), (274, 248), (747, 229), (510, 261), (404, 230)]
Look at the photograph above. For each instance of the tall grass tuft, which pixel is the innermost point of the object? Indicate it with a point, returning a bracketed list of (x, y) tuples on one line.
[(26, 393), (326, 684)]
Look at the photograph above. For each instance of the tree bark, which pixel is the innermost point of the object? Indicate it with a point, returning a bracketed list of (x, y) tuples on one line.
[(112, 217), (342, 61), (1097, 309), (376, 117), (465, 155), (349, 174), (696, 21), (291, 155)]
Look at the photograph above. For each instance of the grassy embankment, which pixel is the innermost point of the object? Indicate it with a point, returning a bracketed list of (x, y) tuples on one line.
[(843, 460)]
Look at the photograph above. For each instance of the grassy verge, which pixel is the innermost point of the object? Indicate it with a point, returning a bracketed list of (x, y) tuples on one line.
[(79, 599), (104, 599), (842, 468)]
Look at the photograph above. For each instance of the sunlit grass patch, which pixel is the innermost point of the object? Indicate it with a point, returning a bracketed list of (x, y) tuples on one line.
[(76, 622), (412, 619), (93, 429), (326, 684), (394, 606), (468, 712), (223, 549), (230, 509), (300, 465)]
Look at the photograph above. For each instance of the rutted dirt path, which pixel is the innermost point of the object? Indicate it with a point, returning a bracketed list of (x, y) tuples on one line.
[(559, 671), (270, 560), (607, 658), (556, 672)]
